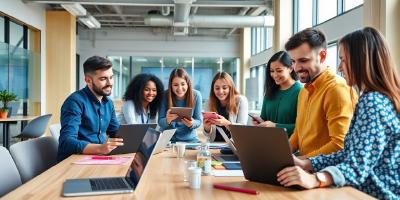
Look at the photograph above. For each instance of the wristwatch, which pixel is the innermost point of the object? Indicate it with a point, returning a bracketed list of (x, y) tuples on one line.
[(321, 179)]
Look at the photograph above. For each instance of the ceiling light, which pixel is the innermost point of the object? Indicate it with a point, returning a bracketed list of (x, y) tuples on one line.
[(141, 60), (90, 22), (75, 9)]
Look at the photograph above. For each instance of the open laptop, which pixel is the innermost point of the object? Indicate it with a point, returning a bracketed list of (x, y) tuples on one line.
[(262, 151), (165, 137), (227, 158), (133, 135), (114, 185)]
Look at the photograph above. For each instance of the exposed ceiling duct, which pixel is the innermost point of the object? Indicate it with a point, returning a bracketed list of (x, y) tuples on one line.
[(218, 21), (179, 17)]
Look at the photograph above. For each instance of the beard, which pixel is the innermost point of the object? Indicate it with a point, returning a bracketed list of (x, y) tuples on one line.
[(99, 91)]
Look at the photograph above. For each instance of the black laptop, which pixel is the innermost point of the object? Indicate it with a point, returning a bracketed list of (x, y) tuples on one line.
[(114, 185), (262, 151), (133, 135)]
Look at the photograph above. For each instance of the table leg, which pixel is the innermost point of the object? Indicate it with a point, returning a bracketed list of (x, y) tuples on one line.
[(7, 135), (4, 135)]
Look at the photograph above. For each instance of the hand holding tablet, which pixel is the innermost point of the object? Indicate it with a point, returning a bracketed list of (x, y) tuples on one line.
[(182, 112)]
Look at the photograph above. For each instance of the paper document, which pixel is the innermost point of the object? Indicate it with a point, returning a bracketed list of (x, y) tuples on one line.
[(228, 173), (116, 160)]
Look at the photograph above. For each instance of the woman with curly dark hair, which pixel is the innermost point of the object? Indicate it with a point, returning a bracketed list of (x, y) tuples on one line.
[(142, 100)]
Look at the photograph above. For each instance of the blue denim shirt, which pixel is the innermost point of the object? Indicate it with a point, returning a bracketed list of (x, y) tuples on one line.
[(85, 120)]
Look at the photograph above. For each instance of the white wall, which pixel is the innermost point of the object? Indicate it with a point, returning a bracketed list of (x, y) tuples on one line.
[(341, 25), (144, 42), (35, 16)]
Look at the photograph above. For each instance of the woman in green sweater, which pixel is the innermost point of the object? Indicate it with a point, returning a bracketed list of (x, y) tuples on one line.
[(281, 90)]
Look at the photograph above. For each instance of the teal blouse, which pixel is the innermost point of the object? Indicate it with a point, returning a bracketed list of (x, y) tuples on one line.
[(282, 108)]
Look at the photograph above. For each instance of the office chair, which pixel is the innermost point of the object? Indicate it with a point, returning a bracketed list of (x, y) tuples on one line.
[(55, 130), (35, 156), (35, 128), (10, 178)]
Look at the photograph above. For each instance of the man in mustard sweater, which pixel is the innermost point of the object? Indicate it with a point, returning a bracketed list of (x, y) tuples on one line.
[(325, 104)]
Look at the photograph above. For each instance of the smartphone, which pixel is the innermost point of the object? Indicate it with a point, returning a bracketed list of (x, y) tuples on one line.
[(256, 118), (210, 115)]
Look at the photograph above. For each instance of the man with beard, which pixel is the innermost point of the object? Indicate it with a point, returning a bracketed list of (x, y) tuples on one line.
[(88, 115), (325, 104)]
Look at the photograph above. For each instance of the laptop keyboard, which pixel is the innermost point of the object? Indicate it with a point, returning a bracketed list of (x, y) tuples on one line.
[(108, 184)]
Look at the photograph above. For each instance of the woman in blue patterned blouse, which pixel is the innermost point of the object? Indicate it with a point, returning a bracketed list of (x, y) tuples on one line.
[(370, 160)]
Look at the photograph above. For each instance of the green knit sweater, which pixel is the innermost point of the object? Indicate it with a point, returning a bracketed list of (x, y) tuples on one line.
[(282, 108)]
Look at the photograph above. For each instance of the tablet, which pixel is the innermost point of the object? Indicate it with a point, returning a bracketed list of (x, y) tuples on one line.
[(182, 112)]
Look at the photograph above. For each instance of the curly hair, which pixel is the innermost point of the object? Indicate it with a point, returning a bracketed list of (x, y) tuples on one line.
[(134, 92)]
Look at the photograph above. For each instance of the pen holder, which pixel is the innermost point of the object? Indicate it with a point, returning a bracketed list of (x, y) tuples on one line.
[(194, 177)]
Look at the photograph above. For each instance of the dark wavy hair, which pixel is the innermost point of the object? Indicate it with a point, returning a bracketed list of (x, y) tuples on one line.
[(270, 87), (134, 92)]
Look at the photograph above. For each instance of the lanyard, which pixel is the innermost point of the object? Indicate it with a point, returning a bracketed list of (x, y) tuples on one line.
[(147, 121)]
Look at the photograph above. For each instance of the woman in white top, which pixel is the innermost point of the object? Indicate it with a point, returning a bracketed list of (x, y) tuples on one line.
[(230, 106), (142, 100)]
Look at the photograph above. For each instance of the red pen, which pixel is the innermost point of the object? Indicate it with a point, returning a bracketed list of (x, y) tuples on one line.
[(103, 158), (236, 189)]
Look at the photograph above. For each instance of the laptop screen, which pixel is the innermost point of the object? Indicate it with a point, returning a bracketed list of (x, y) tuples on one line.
[(143, 154)]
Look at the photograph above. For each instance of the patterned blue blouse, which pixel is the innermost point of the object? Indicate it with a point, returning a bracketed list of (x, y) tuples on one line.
[(370, 160)]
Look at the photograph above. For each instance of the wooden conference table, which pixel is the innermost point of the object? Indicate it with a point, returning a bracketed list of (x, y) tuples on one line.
[(6, 126), (163, 179)]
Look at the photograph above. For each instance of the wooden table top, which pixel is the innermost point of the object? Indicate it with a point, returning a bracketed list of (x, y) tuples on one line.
[(17, 118), (163, 179)]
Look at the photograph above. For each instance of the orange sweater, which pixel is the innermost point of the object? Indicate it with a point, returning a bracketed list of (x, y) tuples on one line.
[(324, 110)]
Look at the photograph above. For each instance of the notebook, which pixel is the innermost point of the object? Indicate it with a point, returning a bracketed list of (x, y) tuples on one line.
[(114, 185)]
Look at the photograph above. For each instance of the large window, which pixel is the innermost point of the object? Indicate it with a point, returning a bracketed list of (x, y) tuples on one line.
[(305, 14), (20, 66), (309, 13), (326, 10), (332, 56), (261, 39), (2, 29), (350, 4), (200, 70)]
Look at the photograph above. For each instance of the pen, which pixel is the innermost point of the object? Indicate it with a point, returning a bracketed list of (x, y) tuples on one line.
[(236, 189), (103, 158)]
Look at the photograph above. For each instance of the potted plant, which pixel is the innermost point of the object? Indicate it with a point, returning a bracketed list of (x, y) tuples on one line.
[(6, 97)]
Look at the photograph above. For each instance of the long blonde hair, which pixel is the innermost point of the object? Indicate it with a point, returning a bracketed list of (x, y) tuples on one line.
[(231, 105)]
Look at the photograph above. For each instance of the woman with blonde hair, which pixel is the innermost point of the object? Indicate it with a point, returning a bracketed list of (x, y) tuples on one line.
[(230, 106)]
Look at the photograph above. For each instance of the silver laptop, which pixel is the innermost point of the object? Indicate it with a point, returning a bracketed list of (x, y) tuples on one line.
[(165, 137), (114, 185), (227, 158)]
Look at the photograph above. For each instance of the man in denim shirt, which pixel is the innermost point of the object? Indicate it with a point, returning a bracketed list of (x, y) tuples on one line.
[(88, 115)]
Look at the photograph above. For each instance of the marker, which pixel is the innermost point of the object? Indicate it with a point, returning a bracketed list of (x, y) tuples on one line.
[(236, 189)]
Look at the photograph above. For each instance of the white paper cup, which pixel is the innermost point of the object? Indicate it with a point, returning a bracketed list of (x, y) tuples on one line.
[(180, 149), (194, 177)]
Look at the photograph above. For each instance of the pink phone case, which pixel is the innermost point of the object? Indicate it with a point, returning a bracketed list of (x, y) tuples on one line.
[(210, 115)]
